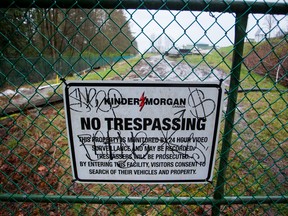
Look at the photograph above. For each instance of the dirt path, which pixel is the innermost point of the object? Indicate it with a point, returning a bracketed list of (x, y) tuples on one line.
[(158, 68)]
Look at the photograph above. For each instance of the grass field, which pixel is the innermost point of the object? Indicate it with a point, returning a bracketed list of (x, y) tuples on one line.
[(258, 160)]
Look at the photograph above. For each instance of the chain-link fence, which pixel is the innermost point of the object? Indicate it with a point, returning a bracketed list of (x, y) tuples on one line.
[(243, 43)]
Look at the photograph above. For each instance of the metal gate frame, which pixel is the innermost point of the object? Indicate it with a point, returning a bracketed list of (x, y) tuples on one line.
[(242, 10)]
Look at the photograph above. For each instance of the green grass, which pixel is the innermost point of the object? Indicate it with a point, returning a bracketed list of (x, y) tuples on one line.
[(221, 59), (119, 70), (259, 143), (215, 59)]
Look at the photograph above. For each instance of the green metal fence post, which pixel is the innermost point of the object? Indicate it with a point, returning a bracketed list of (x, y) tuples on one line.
[(240, 33)]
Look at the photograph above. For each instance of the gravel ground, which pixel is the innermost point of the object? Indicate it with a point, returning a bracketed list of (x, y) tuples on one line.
[(157, 68), (24, 95)]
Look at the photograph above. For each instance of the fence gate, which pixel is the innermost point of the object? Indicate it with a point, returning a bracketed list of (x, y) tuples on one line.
[(242, 44)]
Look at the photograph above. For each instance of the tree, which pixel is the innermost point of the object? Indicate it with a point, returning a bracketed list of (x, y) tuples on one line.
[(54, 32), (119, 35), (16, 29), (269, 23)]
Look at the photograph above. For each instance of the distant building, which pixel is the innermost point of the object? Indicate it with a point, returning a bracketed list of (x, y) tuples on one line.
[(195, 49), (173, 52), (188, 47), (185, 51), (198, 46), (203, 46)]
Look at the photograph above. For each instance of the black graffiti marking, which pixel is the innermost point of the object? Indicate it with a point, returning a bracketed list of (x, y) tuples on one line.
[(181, 113), (138, 150), (83, 99), (105, 96), (143, 144), (90, 98), (197, 154), (200, 106)]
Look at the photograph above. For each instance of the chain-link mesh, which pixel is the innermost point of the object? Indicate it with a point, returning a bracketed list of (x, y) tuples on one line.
[(143, 40)]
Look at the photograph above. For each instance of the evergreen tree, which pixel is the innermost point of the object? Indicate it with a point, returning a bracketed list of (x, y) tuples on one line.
[(53, 32), (15, 31), (118, 32)]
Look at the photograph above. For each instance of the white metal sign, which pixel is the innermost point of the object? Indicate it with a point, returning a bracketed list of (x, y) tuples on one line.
[(135, 132)]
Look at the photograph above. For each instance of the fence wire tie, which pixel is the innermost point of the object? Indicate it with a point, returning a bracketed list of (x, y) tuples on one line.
[(212, 15), (220, 82), (63, 80), (96, 68)]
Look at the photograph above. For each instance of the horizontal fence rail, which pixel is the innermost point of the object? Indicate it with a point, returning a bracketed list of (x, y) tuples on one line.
[(146, 200), (190, 5)]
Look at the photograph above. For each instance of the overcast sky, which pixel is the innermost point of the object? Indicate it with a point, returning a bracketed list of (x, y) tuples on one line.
[(186, 28)]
